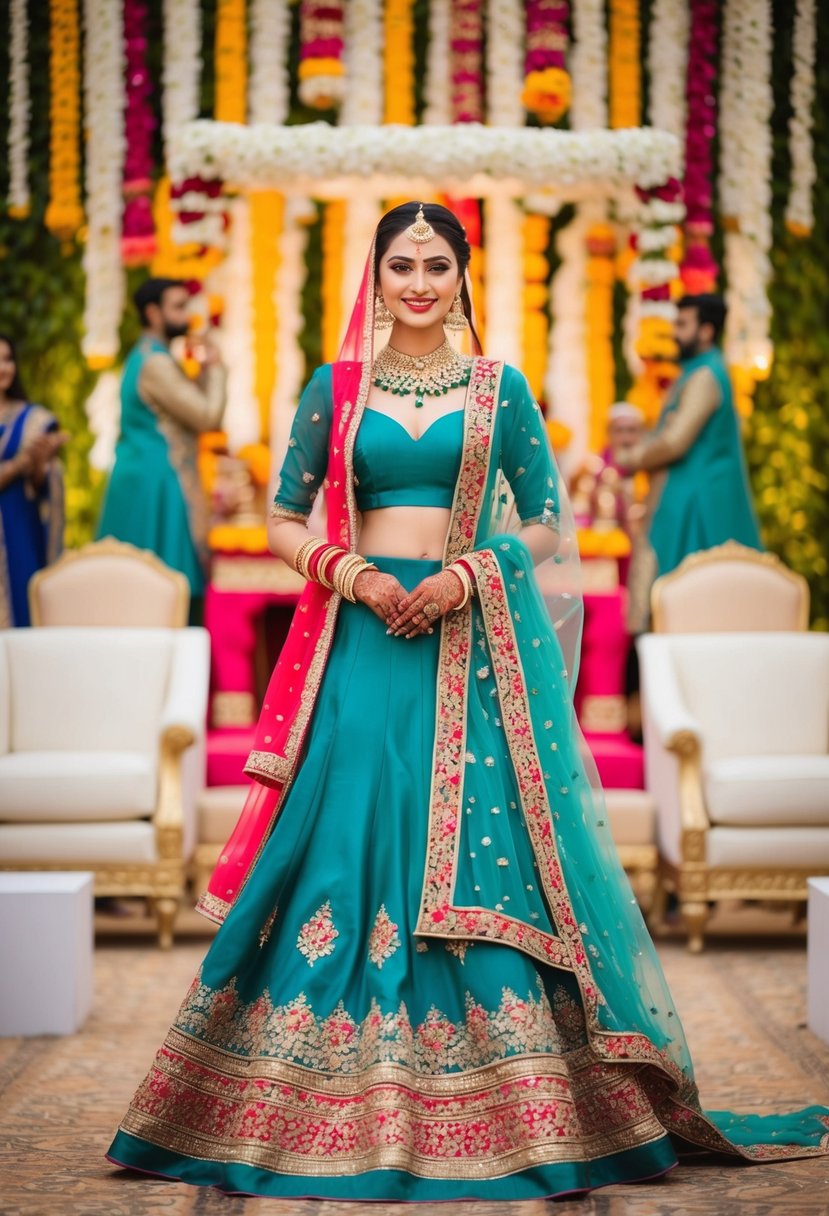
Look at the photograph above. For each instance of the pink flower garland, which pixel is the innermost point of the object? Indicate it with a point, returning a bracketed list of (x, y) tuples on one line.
[(466, 48), (138, 241), (547, 86), (322, 38), (699, 270)]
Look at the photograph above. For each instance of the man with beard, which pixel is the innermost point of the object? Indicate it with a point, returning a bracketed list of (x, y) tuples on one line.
[(699, 495), (154, 499)]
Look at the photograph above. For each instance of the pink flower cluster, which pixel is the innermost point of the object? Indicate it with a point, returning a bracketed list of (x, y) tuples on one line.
[(699, 270), (466, 46), (546, 35), (138, 243), (321, 30)]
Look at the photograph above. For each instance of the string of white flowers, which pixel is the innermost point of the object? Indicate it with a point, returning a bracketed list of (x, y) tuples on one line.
[(268, 86), (104, 98), (233, 281), (181, 70), (748, 265), (363, 55), (103, 409), (667, 63), (19, 109), (378, 160), (799, 209), (438, 108), (504, 280), (730, 117), (588, 66), (290, 366), (566, 387), (504, 63)]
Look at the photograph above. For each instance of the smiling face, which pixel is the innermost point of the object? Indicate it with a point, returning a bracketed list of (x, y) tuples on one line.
[(419, 281)]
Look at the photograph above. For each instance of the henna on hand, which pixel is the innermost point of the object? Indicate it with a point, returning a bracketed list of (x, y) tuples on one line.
[(443, 590), (380, 592)]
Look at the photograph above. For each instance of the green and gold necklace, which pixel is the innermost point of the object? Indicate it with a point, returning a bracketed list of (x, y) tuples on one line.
[(431, 375)]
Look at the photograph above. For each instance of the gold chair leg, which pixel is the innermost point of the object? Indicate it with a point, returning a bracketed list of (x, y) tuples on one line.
[(695, 915), (166, 911)]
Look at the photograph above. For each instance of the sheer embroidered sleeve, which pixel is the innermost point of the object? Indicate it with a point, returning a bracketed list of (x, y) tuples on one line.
[(526, 457), (303, 469)]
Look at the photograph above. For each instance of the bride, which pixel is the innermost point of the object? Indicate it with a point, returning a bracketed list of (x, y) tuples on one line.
[(432, 980)]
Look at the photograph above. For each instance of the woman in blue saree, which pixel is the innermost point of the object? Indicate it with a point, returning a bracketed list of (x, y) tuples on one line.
[(31, 490), (432, 980)]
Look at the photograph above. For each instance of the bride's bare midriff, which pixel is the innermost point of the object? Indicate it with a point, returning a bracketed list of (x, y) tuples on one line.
[(404, 532)]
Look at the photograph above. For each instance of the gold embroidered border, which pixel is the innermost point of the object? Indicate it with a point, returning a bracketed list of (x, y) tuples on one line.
[(509, 1116), (212, 907), (479, 429)]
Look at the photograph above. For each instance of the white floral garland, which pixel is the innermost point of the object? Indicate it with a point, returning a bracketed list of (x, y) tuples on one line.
[(588, 66), (504, 63), (748, 265), (181, 71), (730, 118), (363, 101), (799, 209), (382, 161), (290, 366), (566, 387), (667, 63), (504, 279), (438, 108), (268, 86), (19, 109), (104, 96)]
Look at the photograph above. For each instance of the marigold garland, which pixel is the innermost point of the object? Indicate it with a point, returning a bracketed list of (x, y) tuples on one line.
[(398, 75), (322, 81), (266, 220), (547, 85), (625, 70), (536, 236), (333, 235), (231, 61), (64, 213), (138, 242), (174, 259)]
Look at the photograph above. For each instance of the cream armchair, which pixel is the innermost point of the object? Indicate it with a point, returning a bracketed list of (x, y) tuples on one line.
[(109, 582), (102, 756), (729, 588), (736, 733)]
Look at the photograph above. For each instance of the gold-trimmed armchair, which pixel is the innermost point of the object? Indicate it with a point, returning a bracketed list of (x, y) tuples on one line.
[(729, 587), (109, 582), (102, 756), (736, 733)]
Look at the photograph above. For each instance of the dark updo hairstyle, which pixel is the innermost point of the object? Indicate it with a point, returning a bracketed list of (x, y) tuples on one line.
[(446, 225), (15, 391)]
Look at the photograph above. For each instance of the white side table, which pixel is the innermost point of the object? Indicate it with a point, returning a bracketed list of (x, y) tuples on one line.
[(817, 994), (45, 952)]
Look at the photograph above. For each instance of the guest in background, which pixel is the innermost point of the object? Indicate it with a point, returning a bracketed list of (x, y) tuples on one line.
[(31, 489), (699, 495), (154, 499)]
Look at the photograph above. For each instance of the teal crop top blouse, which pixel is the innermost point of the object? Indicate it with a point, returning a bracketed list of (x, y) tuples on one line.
[(393, 470)]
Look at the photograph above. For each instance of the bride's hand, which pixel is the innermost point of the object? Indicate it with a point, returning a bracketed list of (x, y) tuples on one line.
[(380, 592), (439, 593)]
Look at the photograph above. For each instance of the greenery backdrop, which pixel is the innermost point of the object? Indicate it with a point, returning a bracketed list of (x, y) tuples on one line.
[(41, 307)]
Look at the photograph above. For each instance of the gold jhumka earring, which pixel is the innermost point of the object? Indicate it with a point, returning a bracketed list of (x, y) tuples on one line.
[(455, 319), (383, 316), (421, 230)]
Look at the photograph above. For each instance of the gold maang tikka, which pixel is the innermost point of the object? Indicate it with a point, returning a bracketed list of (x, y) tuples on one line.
[(421, 230)]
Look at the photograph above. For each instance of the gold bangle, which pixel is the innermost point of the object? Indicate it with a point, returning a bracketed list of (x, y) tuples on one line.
[(465, 582), (304, 552), (342, 575), (322, 576), (353, 575)]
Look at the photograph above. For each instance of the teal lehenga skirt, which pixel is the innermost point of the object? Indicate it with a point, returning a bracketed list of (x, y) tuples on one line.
[(324, 1050)]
